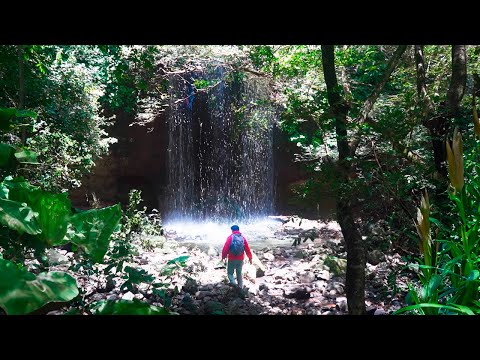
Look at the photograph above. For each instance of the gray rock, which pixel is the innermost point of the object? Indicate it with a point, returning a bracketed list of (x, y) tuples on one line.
[(307, 277), (214, 308), (202, 294), (342, 303), (128, 296), (55, 258), (375, 257), (97, 297), (258, 265), (191, 286), (315, 259), (300, 254), (268, 256), (143, 261), (324, 275), (379, 312), (300, 293), (55, 312), (339, 288), (253, 290)]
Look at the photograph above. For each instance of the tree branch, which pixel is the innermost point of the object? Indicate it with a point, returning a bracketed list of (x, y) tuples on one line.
[(368, 105), (427, 103)]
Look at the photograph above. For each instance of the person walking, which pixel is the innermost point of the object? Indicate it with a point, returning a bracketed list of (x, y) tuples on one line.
[(235, 248)]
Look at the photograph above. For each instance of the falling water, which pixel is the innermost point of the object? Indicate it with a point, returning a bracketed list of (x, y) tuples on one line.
[(220, 150)]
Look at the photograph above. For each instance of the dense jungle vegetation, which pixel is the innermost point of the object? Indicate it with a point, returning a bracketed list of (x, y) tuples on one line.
[(392, 131)]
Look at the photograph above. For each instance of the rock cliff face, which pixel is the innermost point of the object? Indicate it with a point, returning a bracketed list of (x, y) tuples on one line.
[(139, 161), (220, 154), (136, 161)]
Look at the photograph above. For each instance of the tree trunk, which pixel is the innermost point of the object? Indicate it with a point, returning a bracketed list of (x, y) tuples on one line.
[(21, 86), (458, 81), (439, 124), (427, 104), (355, 274)]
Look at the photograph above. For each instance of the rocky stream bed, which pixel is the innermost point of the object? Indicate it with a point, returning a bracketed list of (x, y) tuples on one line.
[(306, 279)]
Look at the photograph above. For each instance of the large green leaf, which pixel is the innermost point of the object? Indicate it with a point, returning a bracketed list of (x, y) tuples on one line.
[(19, 189), (3, 191), (7, 158), (454, 307), (17, 216), (25, 156), (93, 229), (126, 307), (54, 210), (21, 292), (25, 113)]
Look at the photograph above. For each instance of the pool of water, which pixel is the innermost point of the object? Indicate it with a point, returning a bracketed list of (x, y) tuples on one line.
[(270, 231)]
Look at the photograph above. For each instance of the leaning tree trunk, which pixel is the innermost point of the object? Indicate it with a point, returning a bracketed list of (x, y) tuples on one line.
[(355, 274)]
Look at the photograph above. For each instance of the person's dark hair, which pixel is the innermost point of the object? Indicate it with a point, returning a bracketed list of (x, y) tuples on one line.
[(235, 228)]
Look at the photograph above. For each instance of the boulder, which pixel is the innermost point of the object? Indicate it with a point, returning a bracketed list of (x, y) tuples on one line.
[(260, 268), (128, 296), (375, 257), (306, 277), (55, 258), (269, 256), (341, 303)]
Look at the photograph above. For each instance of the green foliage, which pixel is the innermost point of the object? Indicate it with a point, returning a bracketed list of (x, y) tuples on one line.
[(26, 157), (173, 265), (201, 84), (21, 292), (135, 276), (11, 118), (126, 307), (19, 217), (53, 210), (132, 218), (7, 156), (93, 229), (61, 86), (450, 284)]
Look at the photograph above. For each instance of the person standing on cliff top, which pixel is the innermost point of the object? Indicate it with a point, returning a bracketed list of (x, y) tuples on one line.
[(235, 248)]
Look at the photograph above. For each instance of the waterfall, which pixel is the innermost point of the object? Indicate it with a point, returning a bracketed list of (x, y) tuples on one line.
[(220, 149)]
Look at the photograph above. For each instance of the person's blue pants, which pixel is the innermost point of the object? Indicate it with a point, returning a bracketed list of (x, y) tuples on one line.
[(235, 265)]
